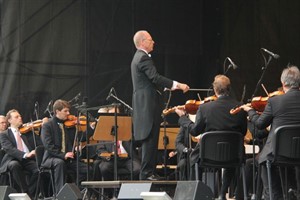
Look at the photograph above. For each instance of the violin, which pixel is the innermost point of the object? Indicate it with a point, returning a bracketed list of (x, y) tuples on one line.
[(72, 121), (257, 103), (25, 128), (191, 106)]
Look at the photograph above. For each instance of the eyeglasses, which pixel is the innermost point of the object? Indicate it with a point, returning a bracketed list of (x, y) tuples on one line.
[(150, 40)]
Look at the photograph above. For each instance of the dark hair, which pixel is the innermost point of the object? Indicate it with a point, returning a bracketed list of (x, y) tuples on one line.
[(60, 104)]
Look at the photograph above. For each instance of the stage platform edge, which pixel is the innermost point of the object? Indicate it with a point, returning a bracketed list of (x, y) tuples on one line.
[(117, 184)]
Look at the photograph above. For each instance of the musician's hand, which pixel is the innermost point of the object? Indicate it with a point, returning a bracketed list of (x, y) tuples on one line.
[(180, 111), (172, 154), (69, 155), (183, 87), (246, 108), (31, 154), (44, 120)]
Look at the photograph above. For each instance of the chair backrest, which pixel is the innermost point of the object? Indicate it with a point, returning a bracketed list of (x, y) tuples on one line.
[(221, 149), (39, 154), (286, 143)]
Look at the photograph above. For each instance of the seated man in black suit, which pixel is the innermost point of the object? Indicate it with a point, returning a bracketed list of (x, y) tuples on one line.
[(58, 141), (3, 123), (124, 160), (20, 154), (183, 151), (280, 110), (214, 116)]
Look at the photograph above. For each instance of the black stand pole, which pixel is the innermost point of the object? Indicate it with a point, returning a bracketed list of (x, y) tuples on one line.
[(132, 135), (82, 109), (253, 197), (115, 142), (165, 142)]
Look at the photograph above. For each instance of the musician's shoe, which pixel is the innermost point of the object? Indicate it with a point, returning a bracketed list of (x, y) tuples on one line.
[(154, 177)]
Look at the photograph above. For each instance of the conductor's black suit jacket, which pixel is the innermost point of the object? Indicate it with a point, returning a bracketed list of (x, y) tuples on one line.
[(147, 88)]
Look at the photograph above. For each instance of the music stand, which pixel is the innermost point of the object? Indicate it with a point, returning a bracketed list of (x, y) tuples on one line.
[(171, 133), (113, 127), (104, 130)]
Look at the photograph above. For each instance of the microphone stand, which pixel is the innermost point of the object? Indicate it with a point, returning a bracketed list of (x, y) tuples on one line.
[(130, 110), (82, 109), (166, 138), (165, 142), (264, 68)]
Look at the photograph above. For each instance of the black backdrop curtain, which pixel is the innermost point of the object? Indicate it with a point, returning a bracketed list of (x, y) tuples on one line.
[(52, 49)]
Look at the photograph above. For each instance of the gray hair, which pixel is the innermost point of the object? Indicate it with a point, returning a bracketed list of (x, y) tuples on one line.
[(290, 77), (139, 37)]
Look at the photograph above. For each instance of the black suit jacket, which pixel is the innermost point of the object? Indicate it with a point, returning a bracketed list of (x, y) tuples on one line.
[(9, 144), (51, 136), (280, 110), (146, 100), (215, 116)]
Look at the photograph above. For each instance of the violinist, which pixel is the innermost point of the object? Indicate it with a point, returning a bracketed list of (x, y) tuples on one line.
[(280, 110), (58, 142), (20, 155), (212, 116), (3, 123)]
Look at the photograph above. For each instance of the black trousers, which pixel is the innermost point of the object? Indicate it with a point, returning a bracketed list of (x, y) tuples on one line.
[(149, 148), (107, 168), (19, 169), (63, 168)]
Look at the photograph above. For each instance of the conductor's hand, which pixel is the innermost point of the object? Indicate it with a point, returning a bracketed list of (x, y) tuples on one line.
[(183, 87), (69, 155)]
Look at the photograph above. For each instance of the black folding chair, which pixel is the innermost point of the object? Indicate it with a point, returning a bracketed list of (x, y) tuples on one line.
[(222, 149), (39, 152), (286, 151)]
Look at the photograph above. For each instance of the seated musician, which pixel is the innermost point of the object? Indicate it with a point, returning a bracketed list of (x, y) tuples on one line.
[(259, 136), (213, 116), (59, 147), (182, 150), (3, 123), (105, 160), (279, 111), (20, 154)]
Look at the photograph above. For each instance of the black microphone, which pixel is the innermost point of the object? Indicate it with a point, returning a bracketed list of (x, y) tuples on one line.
[(47, 109), (276, 56), (109, 94), (36, 104), (84, 101), (233, 65), (75, 98)]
